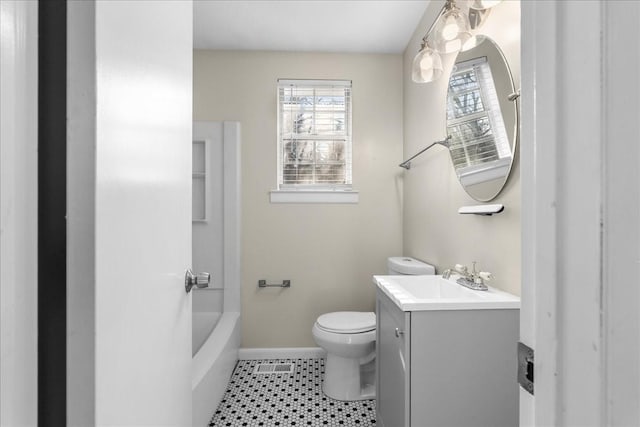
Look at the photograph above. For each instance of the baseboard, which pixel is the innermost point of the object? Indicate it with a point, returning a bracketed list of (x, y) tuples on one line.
[(281, 353)]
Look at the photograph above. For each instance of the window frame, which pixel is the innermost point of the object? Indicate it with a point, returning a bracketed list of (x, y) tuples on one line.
[(347, 137)]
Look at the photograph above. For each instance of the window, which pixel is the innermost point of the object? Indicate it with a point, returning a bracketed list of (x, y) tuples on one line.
[(474, 119), (314, 135)]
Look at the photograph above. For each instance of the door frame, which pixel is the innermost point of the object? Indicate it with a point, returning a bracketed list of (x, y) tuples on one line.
[(580, 232)]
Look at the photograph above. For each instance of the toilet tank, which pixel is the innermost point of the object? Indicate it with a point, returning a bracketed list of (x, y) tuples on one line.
[(408, 266)]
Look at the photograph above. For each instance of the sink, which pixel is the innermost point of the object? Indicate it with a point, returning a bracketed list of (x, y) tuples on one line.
[(419, 293)]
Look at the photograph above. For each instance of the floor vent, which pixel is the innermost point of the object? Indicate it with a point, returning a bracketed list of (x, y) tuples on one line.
[(274, 368)]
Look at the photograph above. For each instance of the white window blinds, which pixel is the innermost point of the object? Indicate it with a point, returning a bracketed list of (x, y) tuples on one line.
[(314, 134), (474, 119)]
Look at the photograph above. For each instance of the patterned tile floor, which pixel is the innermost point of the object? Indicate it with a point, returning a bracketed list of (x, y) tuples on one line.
[(287, 399)]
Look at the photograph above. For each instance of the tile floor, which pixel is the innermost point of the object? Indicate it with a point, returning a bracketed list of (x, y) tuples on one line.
[(287, 399)]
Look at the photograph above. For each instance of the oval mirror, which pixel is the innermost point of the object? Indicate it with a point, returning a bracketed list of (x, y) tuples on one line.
[(482, 119)]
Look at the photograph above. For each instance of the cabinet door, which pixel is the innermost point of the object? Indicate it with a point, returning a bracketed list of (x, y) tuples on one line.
[(392, 402)]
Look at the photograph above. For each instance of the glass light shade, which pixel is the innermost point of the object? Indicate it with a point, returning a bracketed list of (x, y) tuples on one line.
[(476, 17), (451, 31), (483, 4), (427, 66), (473, 42)]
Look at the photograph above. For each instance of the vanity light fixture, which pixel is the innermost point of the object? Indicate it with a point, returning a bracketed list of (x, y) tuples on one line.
[(449, 33), (452, 29)]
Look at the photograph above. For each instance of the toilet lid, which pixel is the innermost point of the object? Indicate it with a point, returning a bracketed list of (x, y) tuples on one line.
[(347, 322)]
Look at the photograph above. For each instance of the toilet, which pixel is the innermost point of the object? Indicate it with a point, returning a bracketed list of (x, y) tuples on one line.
[(349, 338)]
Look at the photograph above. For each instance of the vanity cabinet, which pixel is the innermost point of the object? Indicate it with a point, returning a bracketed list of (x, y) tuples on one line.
[(392, 360), (446, 368)]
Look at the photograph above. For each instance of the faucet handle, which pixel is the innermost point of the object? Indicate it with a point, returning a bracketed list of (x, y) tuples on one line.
[(485, 275)]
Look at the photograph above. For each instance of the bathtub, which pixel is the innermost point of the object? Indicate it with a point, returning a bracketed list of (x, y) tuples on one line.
[(213, 361), (203, 325)]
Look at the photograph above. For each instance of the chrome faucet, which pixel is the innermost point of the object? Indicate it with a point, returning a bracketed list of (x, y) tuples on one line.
[(474, 280)]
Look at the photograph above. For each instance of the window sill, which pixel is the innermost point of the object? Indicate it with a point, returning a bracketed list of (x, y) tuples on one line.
[(314, 196)]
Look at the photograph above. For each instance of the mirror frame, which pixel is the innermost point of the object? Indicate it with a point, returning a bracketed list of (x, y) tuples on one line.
[(516, 125)]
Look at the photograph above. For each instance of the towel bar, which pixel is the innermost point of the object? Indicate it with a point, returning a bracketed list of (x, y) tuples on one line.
[(407, 163), (264, 284)]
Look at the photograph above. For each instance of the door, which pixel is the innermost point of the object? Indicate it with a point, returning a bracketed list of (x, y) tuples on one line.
[(19, 208), (143, 69)]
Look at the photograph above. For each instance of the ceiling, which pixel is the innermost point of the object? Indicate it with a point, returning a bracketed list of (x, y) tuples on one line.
[(360, 26)]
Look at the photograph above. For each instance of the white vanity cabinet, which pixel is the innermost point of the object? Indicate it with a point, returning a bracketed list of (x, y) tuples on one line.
[(446, 367)]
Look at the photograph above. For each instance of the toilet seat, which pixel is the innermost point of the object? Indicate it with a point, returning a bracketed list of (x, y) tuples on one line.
[(347, 322)]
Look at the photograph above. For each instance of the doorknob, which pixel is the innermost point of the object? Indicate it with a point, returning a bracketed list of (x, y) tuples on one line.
[(200, 280)]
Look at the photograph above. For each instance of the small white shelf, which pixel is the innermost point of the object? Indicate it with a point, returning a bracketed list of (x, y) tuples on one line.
[(486, 210), (199, 168)]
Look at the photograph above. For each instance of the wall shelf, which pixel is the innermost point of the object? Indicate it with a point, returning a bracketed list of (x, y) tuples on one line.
[(486, 210)]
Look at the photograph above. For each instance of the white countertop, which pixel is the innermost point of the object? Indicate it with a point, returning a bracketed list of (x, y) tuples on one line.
[(422, 293)]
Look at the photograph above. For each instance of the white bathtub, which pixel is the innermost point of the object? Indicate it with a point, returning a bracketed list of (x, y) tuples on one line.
[(203, 325), (213, 362)]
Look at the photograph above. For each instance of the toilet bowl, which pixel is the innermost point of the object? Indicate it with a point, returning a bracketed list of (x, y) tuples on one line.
[(349, 338)]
